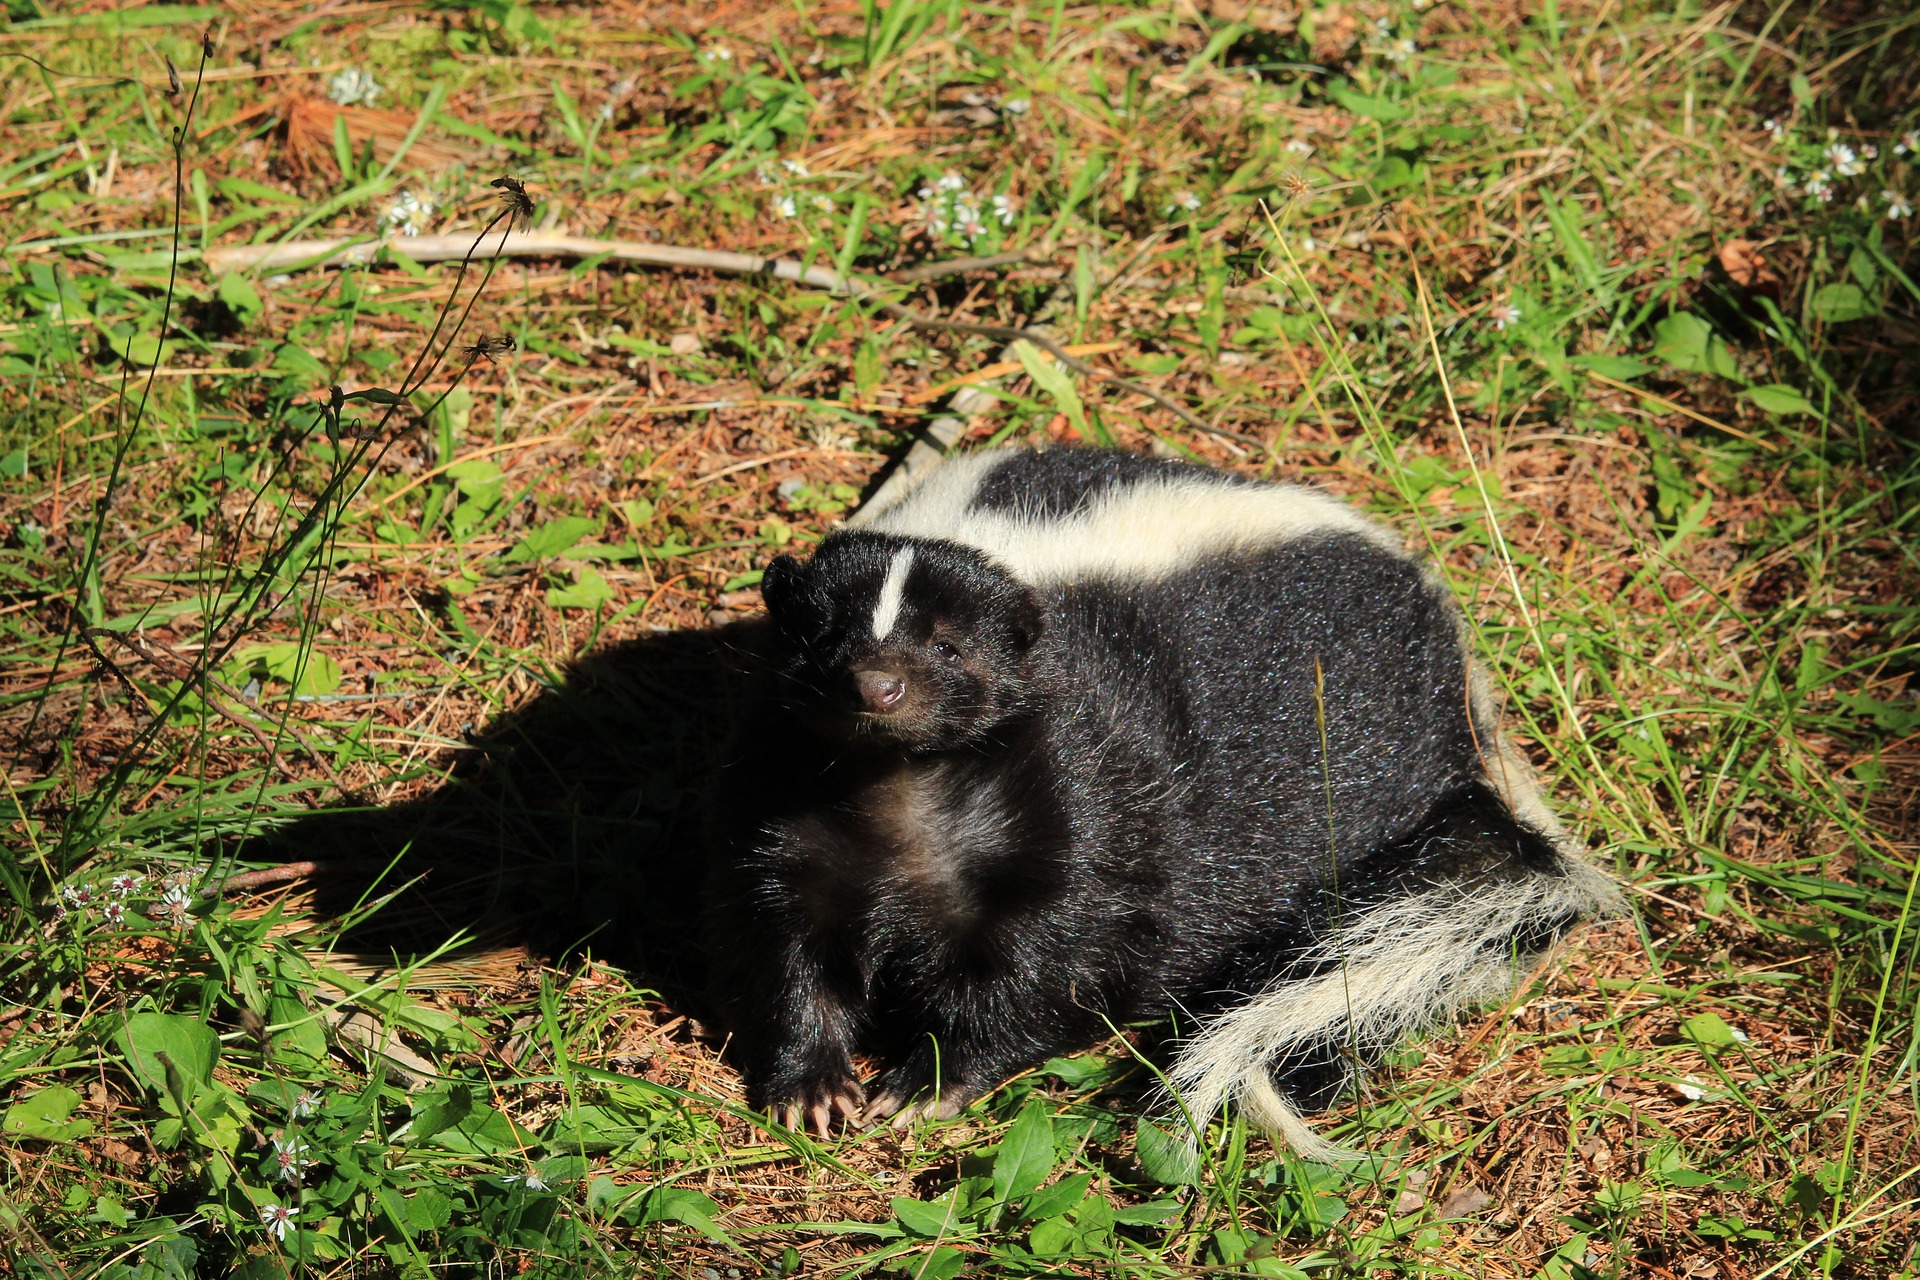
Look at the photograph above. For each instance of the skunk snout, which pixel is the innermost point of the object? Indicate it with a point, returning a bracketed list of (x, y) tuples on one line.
[(879, 692)]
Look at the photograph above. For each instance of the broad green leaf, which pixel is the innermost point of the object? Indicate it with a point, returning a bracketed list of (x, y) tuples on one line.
[(942, 1264), (297, 363), (1057, 1199), (188, 1043), (1839, 303), (46, 1115), (1687, 342), (923, 1218), (589, 590), (1169, 1160), (479, 479), (684, 1205), (547, 540), (1053, 380), (1778, 398), (1026, 1153), (241, 297), (144, 348), (1371, 107), (1708, 1030), (309, 673), (1619, 368)]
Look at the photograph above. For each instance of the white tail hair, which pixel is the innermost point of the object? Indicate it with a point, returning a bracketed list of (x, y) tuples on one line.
[(1391, 969)]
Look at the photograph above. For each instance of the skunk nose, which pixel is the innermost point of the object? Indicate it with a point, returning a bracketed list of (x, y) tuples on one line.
[(880, 691)]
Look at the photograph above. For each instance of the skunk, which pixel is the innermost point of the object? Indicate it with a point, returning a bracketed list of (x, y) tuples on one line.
[(1072, 739)]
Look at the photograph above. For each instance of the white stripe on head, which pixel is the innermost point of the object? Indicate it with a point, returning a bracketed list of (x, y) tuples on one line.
[(887, 612)]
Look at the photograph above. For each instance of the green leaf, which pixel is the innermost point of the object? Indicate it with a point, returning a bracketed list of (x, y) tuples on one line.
[(1839, 303), (589, 590), (684, 1205), (1619, 368), (1056, 1199), (45, 1115), (188, 1043), (1687, 342), (308, 671), (1026, 1153), (478, 479), (1778, 398), (1169, 1160), (1708, 1030), (375, 395), (942, 1264), (545, 541), (1373, 108), (1053, 380), (145, 348), (923, 1218), (298, 364), (241, 297)]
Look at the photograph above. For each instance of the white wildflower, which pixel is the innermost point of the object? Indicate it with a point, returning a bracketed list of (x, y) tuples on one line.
[(786, 206), (823, 203), (1506, 315), (1003, 209), (1899, 207), (1909, 142), (177, 895), (353, 88), (115, 914), (1382, 29), (124, 883), (531, 1179), (409, 214), (1016, 106), (1820, 186), (1185, 200), (1300, 146), (290, 1158), (76, 896), (1845, 161), (951, 182), (1400, 50), (276, 1218), (796, 168), (1689, 1089), (1774, 129), (719, 53), (1308, 244), (305, 1103)]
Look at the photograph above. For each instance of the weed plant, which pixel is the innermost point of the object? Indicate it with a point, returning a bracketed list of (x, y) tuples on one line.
[(371, 629)]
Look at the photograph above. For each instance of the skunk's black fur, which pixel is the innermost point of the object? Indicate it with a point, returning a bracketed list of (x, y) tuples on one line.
[(1074, 739)]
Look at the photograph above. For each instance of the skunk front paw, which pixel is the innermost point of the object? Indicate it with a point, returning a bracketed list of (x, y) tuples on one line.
[(824, 1101), (906, 1104)]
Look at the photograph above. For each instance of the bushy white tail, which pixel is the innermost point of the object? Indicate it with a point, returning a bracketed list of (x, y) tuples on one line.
[(1388, 971)]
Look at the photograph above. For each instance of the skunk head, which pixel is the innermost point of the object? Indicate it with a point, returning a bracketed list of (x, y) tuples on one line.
[(915, 642)]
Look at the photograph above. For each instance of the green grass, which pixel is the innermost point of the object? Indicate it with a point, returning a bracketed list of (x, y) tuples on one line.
[(1540, 291)]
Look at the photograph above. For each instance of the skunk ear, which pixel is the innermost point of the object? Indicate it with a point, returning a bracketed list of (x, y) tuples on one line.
[(779, 583), (1028, 619)]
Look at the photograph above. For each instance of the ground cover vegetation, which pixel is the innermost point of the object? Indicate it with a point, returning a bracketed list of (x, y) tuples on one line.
[(371, 627)]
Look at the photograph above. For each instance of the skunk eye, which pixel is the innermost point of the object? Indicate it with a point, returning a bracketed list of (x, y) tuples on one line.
[(946, 651)]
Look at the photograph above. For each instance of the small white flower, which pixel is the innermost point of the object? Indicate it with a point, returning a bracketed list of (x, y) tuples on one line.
[(531, 1178), (124, 883), (1382, 29), (925, 193), (76, 896), (305, 1103), (951, 182), (1909, 141), (290, 1158), (59, 913), (823, 203), (1400, 50), (719, 53), (1300, 146), (1774, 129), (1846, 162), (115, 914), (276, 1218), (786, 206), (177, 895), (1899, 207), (1820, 186), (353, 88), (1784, 176), (795, 168), (1016, 106), (1308, 244), (1003, 209), (1506, 315), (1689, 1089), (1738, 1034), (409, 214)]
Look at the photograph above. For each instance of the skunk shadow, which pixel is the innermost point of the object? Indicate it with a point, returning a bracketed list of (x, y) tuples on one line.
[(573, 824)]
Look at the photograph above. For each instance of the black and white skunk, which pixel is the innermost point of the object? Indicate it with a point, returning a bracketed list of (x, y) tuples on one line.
[(1075, 739)]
